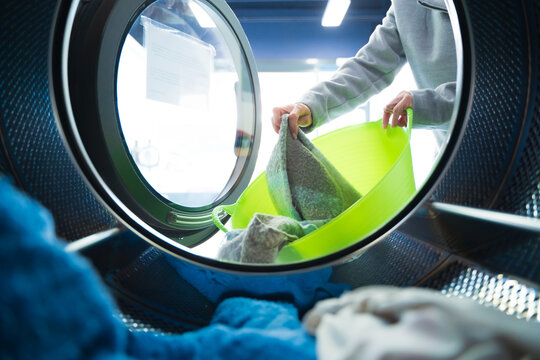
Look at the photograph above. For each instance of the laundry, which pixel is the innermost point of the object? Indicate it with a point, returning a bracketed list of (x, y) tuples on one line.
[(241, 328), (264, 237), (303, 184), (302, 290), (383, 322), (307, 191), (55, 305)]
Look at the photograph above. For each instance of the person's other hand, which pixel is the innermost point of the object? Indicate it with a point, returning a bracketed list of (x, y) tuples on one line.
[(299, 115), (397, 109)]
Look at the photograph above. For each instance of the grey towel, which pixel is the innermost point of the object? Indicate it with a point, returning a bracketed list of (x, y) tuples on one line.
[(306, 190), (264, 237), (303, 184)]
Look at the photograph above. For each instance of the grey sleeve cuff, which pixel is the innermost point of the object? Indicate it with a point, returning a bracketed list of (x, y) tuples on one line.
[(319, 114), (433, 107)]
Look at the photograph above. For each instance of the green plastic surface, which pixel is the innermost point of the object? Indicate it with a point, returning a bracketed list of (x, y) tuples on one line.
[(376, 162)]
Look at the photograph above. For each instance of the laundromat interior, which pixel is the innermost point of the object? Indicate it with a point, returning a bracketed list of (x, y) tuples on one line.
[(139, 149)]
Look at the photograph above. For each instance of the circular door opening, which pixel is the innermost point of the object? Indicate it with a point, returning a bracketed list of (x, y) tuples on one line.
[(160, 108)]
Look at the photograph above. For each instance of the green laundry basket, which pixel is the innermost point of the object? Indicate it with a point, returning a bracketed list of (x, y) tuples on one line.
[(376, 162)]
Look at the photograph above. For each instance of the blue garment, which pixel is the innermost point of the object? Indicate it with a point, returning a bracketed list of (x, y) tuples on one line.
[(302, 290), (54, 306), (241, 329)]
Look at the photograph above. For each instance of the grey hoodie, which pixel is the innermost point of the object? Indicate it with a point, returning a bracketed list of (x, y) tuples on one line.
[(415, 31)]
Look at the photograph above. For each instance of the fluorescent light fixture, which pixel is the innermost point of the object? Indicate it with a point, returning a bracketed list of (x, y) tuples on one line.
[(202, 16), (335, 12)]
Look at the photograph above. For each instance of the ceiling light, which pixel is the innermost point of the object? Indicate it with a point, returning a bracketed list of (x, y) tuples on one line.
[(335, 12), (202, 16)]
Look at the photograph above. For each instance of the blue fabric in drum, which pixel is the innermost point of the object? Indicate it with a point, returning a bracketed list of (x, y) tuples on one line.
[(56, 307)]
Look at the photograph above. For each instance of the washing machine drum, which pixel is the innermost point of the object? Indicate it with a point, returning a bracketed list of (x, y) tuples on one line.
[(146, 115)]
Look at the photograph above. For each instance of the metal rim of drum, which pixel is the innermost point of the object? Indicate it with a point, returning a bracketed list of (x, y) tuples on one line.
[(87, 130)]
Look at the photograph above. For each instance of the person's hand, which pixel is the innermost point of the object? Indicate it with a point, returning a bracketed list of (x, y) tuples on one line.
[(397, 109), (299, 115)]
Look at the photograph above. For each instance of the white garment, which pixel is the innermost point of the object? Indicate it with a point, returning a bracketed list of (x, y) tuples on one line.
[(383, 322)]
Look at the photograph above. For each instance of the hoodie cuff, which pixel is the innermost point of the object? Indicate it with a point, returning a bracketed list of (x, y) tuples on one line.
[(426, 109), (318, 113)]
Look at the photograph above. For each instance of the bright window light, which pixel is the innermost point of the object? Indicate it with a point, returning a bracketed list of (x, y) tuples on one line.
[(312, 61), (335, 12), (341, 60), (202, 17)]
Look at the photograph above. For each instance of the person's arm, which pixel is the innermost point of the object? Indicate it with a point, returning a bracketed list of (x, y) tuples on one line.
[(370, 71), (433, 107)]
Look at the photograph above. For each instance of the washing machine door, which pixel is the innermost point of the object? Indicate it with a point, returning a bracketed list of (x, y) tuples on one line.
[(158, 102)]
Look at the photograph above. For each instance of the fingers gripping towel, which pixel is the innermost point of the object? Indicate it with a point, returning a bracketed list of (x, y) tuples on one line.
[(303, 184)]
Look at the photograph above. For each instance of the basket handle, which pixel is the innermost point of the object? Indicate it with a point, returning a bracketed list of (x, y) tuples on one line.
[(410, 121), (229, 209)]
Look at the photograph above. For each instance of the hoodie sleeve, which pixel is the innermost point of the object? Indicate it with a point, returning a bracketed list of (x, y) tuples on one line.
[(433, 107), (370, 71)]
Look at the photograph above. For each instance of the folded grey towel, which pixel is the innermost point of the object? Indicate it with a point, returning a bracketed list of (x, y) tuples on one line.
[(303, 184), (306, 190)]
